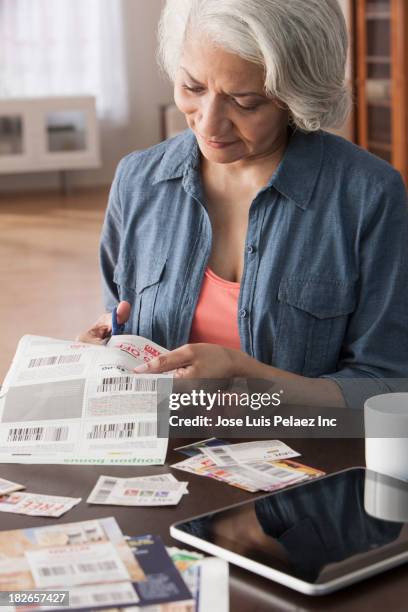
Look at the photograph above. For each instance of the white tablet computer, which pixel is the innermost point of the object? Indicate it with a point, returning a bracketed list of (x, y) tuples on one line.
[(314, 537)]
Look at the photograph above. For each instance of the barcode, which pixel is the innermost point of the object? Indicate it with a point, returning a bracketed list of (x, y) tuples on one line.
[(54, 360), (123, 430), (80, 600), (62, 570), (103, 566), (59, 570), (106, 489), (114, 597), (109, 483), (263, 467), (102, 495), (38, 434), (223, 456), (270, 469), (126, 383)]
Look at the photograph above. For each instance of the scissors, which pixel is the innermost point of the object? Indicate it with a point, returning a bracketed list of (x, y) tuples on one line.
[(117, 328)]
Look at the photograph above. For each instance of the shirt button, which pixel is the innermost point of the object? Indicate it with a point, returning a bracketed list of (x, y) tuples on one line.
[(250, 248), (243, 313)]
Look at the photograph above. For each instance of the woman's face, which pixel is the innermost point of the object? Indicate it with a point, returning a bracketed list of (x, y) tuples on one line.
[(223, 99)]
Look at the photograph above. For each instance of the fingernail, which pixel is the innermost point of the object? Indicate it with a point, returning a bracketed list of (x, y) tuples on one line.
[(141, 368)]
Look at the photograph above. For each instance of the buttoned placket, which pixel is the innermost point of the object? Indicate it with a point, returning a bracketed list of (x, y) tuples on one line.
[(199, 255), (249, 275)]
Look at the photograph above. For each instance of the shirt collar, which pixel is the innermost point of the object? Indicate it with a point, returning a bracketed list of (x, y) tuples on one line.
[(295, 177), (181, 153), (297, 173)]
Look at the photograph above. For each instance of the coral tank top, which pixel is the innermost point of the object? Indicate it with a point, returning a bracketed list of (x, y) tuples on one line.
[(216, 315)]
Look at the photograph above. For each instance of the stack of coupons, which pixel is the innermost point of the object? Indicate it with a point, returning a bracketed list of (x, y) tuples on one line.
[(159, 490), (207, 578), (32, 504), (90, 566), (265, 465)]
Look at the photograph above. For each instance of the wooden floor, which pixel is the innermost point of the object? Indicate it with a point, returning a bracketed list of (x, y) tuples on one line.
[(48, 266)]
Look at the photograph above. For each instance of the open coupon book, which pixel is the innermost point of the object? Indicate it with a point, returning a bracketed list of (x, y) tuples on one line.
[(89, 559), (88, 566), (73, 402)]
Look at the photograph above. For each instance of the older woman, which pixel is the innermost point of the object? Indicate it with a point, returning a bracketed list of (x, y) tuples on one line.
[(255, 244)]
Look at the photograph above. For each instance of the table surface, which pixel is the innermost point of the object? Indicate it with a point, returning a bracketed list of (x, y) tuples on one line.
[(247, 591)]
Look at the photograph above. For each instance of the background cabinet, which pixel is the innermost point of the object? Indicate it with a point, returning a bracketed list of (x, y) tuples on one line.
[(56, 133), (381, 79)]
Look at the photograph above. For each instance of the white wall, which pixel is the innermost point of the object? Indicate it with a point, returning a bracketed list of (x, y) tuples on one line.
[(147, 87)]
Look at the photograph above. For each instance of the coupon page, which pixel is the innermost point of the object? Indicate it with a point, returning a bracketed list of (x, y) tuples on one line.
[(69, 554), (73, 402)]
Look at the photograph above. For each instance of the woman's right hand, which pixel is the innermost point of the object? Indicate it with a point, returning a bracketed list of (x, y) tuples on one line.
[(102, 329)]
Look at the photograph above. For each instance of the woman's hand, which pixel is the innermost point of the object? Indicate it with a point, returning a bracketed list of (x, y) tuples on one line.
[(199, 360), (102, 329), (210, 361)]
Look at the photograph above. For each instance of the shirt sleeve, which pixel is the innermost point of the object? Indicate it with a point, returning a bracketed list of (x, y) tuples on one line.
[(110, 242), (374, 356)]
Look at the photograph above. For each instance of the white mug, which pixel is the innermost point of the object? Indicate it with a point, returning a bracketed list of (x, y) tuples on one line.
[(386, 434), (385, 498)]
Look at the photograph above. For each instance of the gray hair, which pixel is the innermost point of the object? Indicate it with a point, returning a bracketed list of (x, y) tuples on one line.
[(301, 44)]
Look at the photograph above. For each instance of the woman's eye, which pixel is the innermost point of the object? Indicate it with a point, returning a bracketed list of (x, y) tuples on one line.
[(246, 108), (193, 88), (197, 89)]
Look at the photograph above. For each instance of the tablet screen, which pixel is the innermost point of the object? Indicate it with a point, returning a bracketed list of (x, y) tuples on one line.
[(317, 531)]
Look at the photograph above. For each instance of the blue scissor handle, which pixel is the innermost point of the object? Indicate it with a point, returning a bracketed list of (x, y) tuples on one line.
[(117, 328)]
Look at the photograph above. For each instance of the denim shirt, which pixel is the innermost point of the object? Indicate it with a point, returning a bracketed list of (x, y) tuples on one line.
[(324, 290)]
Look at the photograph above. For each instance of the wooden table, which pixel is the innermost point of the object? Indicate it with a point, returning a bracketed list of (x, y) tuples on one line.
[(248, 592)]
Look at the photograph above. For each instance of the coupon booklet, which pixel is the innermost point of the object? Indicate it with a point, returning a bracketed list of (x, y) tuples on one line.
[(89, 565), (72, 402), (91, 560), (164, 583)]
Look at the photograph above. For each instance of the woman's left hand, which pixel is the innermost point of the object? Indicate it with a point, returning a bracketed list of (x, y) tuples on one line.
[(211, 361), (199, 360)]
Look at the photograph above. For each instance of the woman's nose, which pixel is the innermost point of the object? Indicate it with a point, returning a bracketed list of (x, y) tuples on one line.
[(213, 121)]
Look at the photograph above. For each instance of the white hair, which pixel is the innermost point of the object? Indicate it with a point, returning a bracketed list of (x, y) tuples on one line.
[(301, 44)]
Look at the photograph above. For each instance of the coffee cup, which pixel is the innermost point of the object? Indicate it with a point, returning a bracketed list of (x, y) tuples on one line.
[(386, 434)]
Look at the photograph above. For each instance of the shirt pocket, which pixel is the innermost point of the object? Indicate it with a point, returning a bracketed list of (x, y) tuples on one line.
[(139, 285), (313, 317)]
